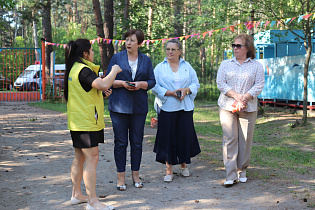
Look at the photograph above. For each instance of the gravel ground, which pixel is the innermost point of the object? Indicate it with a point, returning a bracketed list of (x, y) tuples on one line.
[(36, 153)]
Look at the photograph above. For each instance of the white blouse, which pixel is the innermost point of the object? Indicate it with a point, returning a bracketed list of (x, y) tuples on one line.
[(177, 79), (133, 65)]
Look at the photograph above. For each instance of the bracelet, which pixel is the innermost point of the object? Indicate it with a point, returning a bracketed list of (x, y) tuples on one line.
[(187, 91)]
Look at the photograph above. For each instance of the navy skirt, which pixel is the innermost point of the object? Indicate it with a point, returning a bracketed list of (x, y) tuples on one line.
[(176, 140)]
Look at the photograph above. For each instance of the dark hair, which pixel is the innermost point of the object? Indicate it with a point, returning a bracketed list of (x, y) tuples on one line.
[(249, 42), (139, 34), (175, 41), (74, 53)]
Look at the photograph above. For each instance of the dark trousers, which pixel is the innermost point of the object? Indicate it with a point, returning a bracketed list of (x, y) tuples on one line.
[(124, 125)]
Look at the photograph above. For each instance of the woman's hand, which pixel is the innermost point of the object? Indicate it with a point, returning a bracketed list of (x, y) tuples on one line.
[(174, 93), (245, 98), (133, 86), (129, 85), (107, 93), (171, 93), (116, 68), (185, 91), (238, 97)]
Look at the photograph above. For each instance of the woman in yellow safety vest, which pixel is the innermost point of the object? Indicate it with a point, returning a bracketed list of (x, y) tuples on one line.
[(83, 94)]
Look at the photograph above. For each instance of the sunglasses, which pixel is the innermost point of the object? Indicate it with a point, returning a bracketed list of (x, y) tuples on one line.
[(238, 46), (173, 50)]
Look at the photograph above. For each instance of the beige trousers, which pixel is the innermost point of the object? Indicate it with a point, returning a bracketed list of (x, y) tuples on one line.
[(238, 131)]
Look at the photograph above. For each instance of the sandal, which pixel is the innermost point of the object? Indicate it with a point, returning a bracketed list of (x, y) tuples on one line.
[(121, 187), (138, 185)]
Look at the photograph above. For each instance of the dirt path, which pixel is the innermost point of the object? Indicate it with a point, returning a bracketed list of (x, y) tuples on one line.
[(36, 153)]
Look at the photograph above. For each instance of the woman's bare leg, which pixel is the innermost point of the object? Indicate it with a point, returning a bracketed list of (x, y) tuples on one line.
[(89, 176), (135, 176), (77, 173), (121, 178), (183, 165), (169, 169)]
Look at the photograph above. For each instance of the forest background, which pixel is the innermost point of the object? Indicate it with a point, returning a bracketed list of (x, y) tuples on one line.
[(24, 22)]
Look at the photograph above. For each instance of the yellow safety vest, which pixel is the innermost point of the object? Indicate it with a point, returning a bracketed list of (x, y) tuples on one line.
[(85, 109)]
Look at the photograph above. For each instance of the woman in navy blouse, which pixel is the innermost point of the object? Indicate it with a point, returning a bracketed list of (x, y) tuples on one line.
[(175, 90), (128, 104)]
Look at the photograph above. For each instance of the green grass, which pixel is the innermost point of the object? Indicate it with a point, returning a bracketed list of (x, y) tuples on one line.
[(278, 153), (275, 145), (60, 107)]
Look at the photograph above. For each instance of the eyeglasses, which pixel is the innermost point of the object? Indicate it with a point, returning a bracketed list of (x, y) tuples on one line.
[(238, 46), (173, 50)]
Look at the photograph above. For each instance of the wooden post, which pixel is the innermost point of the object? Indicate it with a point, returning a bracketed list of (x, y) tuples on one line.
[(43, 69)]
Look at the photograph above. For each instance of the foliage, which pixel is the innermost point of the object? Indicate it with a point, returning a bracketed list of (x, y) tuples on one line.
[(52, 94), (5, 5), (156, 18)]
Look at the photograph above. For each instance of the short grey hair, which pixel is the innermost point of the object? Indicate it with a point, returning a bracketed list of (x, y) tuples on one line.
[(176, 41)]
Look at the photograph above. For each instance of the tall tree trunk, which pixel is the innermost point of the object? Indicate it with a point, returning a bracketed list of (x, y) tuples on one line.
[(99, 30), (185, 30), (82, 17), (47, 32), (15, 25), (306, 66), (108, 30), (125, 22), (177, 22), (308, 47), (252, 17), (150, 18), (35, 38), (115, 32), (75, 12), (202, 54)]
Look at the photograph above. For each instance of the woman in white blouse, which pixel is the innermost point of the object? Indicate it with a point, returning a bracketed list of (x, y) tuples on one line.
[(175, 90), (240, 80)]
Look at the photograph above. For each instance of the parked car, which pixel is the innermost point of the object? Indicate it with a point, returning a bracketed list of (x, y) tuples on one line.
[(5, 83), (30, 78)]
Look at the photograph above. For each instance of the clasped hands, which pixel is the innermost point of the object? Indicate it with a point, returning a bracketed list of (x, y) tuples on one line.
[(183, 93), (241, 102)]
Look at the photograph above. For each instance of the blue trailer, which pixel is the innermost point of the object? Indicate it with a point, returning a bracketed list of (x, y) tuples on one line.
[(283, 55)]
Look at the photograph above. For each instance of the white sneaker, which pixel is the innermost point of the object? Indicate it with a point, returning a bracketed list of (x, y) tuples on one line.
[(108, 207), (75, 201), (229, 183), (168, 178), (184, 171), (243, 180)]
